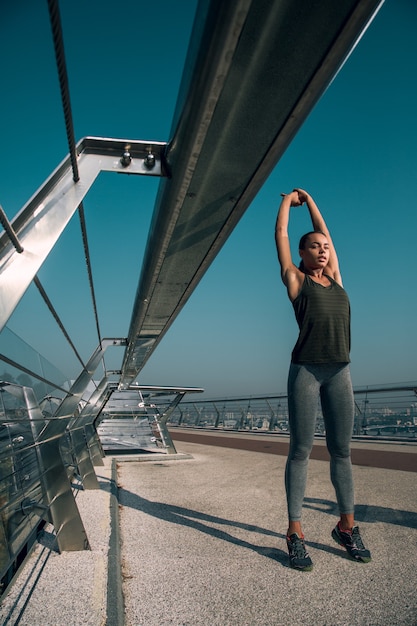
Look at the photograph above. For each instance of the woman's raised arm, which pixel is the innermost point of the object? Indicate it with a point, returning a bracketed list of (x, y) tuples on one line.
[(318, 223), (290, 274)]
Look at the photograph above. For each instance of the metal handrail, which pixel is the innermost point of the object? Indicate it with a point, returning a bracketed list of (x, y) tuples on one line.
[(378, 408)]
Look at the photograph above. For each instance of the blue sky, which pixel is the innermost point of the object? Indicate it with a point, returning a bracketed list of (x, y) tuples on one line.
[(356, 154)]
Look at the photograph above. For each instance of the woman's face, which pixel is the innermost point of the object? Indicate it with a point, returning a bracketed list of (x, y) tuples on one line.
[(315, 255)]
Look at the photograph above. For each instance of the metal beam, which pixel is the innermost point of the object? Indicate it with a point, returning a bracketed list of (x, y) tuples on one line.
[(42, 220), (255, 70)]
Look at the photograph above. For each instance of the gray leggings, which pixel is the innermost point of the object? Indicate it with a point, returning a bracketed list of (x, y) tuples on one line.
[(332, 384)]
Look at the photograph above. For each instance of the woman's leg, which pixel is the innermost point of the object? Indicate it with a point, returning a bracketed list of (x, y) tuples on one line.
[(338, 413), (338, 405), (303, 395)]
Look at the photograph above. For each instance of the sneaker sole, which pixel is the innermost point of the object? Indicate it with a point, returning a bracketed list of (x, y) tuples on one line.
[(308, 568)]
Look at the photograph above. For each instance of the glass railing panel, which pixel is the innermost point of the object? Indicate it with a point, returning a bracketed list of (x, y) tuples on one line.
[(17, 353)]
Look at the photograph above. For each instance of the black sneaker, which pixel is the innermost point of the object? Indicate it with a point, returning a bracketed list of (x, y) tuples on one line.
[(299, 558), (353, 543)]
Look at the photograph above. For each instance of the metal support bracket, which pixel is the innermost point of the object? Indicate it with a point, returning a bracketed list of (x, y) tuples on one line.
[(41, 221)]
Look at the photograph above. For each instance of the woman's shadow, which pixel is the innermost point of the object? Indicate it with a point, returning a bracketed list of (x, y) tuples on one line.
[(203, 523)]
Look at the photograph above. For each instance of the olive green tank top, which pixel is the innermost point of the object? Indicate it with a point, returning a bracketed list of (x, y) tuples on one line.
[(323, 317)]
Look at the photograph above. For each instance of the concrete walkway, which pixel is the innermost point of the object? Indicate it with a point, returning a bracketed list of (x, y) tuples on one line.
[(203, 543)]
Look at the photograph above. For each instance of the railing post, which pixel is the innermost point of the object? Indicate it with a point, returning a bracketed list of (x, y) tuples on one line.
[(84, 462), (58, 496), (162, 424)]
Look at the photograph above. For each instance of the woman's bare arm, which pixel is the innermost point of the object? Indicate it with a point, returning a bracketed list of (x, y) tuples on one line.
[(319, 223), (291, 276)]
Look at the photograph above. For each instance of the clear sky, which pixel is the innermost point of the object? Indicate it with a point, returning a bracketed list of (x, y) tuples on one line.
[(356, 154)]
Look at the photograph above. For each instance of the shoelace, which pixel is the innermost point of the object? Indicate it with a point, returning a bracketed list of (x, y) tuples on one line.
[(357, 539), (299, 548)]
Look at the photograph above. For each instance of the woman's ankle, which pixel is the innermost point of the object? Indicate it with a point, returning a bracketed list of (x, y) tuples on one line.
[(347, 521), (294, 527)]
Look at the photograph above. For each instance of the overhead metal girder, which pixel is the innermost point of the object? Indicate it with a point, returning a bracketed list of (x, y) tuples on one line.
[(254, 71)]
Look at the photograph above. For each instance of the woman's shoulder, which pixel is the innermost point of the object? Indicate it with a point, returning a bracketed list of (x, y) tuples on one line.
[(335, 276), (293, 280), (337, 280)]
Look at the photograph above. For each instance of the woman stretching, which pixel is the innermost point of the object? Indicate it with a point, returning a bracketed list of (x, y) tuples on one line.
[(319, 370)]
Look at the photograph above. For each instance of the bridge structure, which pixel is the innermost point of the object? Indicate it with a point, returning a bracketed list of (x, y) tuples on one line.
[(243, 97)]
